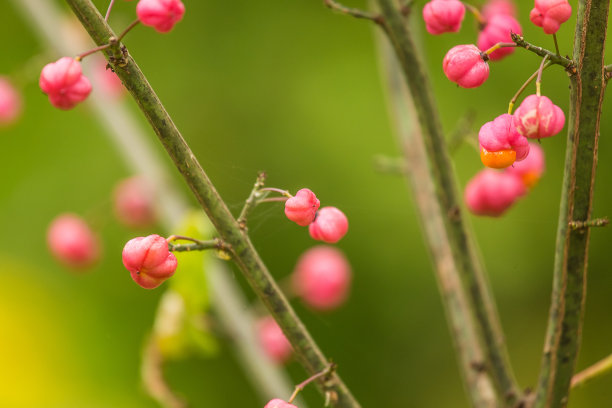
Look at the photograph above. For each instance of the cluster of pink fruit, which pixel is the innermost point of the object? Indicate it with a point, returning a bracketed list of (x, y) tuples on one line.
[(63, 81)]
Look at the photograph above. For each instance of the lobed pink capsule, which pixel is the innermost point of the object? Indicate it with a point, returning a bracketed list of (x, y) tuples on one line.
[(330, 225), (492, 192), (550, 14), (466, 66), (64, 83), (279, 403), (531, 169), (72, 241), (302, 207), (160, 14), (273, 340), (133, 203), (498, 29), (443, 16), (322, 277), (501, 136), (537, 117), (10, 102), (494, 7), (149, 261)]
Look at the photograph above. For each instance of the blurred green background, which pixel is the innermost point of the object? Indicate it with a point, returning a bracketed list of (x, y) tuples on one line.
[(291, 88)]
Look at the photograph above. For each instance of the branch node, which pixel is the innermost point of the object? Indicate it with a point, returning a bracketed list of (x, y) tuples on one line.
[(357, 13), (582, 225)]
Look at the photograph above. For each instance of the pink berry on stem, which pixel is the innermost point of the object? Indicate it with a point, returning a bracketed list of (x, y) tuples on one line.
[(73, 242), (160, 14), (134, 203), (330, 225), (64, 83), (501, 144), (302, 207), (149, 261), (550, 14), (443, 16), (466, 66), (322, 278), (279, 403), (494, 7), (537, 117), (498, 29), (273, 341), (530, 170), (492, 192), (10, 102)]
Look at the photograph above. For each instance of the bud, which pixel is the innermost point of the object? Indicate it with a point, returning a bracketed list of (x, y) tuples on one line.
[(302, 208), (537, 117), (322, 277), (550, 14), (73, 242), (492, 192), (498, 29), (272, 340), (10, 102), (465, 65), (501, 144), (149, 261), (160, 14), (330, 225), (64, 83), (443, 16)]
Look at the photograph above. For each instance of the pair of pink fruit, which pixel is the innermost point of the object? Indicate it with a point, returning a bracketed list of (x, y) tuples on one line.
[(328, 224), (63, 81)]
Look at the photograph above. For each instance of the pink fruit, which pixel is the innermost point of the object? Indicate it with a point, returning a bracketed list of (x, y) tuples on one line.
[(443, 16), (73, 242), (501, 144), (10, 102), (64, 83), (322, 277), (550, 14), (466, 66), (492, 192), (494, 7), (537, 117), (133, 203), (279, 403), (272, 340), (160, 14), (149, 261), (302, 208), (530, 170), (107, 81), (498, 29), (330, 225)]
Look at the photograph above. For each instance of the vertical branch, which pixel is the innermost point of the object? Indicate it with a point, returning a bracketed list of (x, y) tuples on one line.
[(243, 253), (460, 318), (569, 281), (464, 254)]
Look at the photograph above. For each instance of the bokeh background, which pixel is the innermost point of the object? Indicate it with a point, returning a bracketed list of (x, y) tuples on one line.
[(294, 89)]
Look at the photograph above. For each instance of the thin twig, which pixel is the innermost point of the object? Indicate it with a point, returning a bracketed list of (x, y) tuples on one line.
[(244, 254), (556, 44), (554, 58), (252, 200), (322, 375), (108, 11), (153, 377), (524, 86), (334, 5), (197, 246), (600, 368), (539, 79)]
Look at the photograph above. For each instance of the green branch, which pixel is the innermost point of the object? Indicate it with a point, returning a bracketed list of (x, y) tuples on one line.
[(471, 274), (242, 250), (564, 330), (542, 52)]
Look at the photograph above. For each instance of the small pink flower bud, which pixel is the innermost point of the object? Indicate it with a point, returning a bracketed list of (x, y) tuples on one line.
[(107, 81), (498, 29), (494, 7), (160, 14), (492, 192), (73, 242), (133, 203), (465, 65), (302, 208), (330, 225), (443, 16), (530, 170), (10, 102), (279, 403), (501, 144), (538, 117), (64, 82), (272, 340), (149, 261), (550, 14), (322, 277)]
